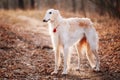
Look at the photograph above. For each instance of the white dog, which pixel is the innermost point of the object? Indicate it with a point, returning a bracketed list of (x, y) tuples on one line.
[(72, 31)]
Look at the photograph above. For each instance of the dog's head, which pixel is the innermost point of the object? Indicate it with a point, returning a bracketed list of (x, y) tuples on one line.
[(51, 15)]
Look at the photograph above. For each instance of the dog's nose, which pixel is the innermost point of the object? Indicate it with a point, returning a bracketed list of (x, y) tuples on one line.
[(44, 20)]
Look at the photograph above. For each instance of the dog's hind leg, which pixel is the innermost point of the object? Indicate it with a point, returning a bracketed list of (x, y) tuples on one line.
[(90, 56), (78, 53), (95, 52), (92, 39), (93, 58), (79, 47)]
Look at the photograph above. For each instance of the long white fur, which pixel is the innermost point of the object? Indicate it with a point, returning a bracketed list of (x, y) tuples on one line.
[(69, 33)]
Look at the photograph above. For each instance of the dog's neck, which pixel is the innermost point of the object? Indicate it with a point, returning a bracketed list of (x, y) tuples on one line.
[(54, 25), (57, 21)]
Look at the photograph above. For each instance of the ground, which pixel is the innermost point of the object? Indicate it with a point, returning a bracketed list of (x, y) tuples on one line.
[(26, 51)]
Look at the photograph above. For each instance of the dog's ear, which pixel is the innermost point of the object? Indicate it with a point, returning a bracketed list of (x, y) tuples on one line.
[(57, 11)]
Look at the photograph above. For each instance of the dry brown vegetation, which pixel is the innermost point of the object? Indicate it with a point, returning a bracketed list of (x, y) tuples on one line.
[(25, 48)]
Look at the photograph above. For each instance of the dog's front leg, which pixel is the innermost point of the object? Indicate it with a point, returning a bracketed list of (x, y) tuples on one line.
[(57, 55), (57, 61), (66, 52)]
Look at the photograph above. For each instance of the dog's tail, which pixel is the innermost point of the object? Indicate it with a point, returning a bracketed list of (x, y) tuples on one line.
[(92, 48), (92, 38)]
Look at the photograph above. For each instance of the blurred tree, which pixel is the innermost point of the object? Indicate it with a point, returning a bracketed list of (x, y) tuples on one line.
[(83, 7), (74, 5), (58, 3), (12, 4), (50, 3), (21, 4), (32, 3), (4, 4), (112, 7), (38, 3)]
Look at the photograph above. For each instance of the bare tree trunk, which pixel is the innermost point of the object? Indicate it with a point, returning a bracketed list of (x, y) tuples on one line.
[(112, 7), (38, 4), (21, 4), (58, 4), (74, 5), (118, 5), (32, 4), (5, 4), (83, 7)]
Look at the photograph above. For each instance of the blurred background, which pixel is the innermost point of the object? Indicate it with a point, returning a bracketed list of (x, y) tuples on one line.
[(110, 7), (25, 44)]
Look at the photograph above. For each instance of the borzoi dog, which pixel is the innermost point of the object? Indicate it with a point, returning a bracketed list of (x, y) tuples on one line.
[(72, 31)]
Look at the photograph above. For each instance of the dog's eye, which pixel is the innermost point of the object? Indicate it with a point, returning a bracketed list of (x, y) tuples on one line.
[(50, 12)]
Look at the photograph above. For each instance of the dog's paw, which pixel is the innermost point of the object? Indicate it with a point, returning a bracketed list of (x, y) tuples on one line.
[(96, 69), (54, 73)]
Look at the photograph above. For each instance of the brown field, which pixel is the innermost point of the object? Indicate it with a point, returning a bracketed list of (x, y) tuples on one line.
[(26, 51)]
